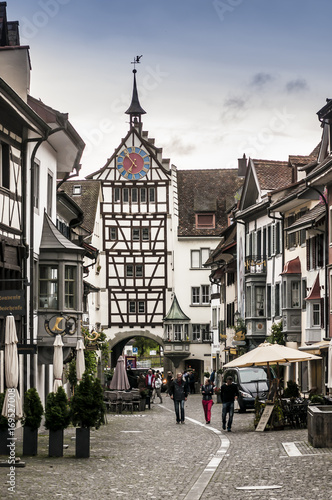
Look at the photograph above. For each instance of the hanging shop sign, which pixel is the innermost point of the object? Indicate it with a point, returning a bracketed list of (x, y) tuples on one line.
[(12, 302)]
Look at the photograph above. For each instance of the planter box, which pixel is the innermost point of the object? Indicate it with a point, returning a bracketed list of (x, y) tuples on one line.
[(83, 442), (55, 442), (4, 450), (319, 426), (142, 402), (30, 441)]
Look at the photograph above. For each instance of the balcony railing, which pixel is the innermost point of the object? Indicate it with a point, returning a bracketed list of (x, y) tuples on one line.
[(254, 264)]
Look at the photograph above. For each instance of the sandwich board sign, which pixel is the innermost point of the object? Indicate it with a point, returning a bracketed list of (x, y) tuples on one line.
[(265, 418)]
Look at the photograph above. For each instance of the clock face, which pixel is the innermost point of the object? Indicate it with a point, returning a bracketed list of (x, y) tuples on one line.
[(133, 163)]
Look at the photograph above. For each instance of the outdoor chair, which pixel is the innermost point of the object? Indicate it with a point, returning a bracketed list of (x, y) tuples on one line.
[(136, 399), (113, 402), (127, 401)]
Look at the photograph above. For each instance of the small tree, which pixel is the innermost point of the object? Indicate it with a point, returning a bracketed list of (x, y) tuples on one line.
[(87, 404), (57, 411), (277, 336), (33, 409)]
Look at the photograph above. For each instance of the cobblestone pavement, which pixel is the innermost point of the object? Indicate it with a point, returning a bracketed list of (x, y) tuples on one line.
[(145, 455)]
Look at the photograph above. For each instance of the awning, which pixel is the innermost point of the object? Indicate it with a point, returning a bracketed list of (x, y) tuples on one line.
[(315, 348)]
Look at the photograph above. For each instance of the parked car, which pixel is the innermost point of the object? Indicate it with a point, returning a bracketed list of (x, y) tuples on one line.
[(251, 382)]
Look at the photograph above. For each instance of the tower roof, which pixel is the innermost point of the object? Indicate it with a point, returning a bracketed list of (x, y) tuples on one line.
[(135, 109), (175, 313)]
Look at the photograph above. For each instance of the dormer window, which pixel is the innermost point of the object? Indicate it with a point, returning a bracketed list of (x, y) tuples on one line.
[(77, 189), (205, 221)]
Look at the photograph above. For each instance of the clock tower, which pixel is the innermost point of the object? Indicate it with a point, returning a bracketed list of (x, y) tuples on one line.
[(138, 214)]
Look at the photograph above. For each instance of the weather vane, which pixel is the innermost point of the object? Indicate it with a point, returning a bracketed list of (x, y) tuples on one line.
[(136, 61)]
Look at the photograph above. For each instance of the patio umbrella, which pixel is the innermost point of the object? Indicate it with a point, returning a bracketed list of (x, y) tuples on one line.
[(11, 370), (267, 353), (120, 380), (80, 360), (329, 365), (57, 363)]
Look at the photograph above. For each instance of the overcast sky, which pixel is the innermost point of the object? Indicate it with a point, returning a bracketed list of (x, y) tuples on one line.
[(218, 78)]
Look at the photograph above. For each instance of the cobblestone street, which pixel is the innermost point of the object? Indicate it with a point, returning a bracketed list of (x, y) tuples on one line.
[(146, 455)]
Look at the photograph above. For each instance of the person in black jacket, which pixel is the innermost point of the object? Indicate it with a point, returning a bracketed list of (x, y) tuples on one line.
[(207, 401), (229, 392), (179, 393)]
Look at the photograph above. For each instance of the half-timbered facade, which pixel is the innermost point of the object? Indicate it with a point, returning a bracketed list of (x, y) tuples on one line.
[(137, 213), (40, 269)]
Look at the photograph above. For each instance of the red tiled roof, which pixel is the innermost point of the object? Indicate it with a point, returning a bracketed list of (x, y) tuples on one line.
[(273, 174)]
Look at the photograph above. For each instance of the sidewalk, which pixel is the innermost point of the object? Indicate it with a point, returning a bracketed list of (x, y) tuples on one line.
[(146, 455)]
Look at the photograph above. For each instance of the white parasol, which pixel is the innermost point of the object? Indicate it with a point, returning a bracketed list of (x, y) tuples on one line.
[(80, 360), (11, 371), (57, 363), (267, 353)]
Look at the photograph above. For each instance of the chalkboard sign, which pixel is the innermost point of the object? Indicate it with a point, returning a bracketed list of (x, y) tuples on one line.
[(265, 418)]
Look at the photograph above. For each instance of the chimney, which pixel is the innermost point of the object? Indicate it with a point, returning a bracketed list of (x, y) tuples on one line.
[(15, 63), (242, 166)]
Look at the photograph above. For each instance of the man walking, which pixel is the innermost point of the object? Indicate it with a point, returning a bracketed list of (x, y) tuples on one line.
[(229, 392), (179, 393)]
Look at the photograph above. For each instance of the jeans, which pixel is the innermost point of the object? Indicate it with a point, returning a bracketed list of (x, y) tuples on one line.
[(179, 405), (227, 408)]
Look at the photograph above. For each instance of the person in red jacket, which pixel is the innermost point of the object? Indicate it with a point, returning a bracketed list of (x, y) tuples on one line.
[(149, 381)]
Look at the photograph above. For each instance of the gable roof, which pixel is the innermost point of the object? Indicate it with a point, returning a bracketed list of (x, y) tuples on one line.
[(272, 174), (87, 200), (146, 142), (263, 176), (205, 191)]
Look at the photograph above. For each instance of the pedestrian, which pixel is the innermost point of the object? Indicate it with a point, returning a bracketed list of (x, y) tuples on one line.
[(213, 376), (179, 394), (207, 400), (192, 382), (228, 392), (149, 382), (169, 382), (157, 388)]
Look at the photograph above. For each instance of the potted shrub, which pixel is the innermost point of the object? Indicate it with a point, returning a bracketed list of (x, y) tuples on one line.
[(87, 410), (57, 418), (33, 411), (3, 428)]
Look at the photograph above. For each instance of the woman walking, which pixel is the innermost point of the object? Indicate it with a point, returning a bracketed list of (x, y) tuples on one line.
[(207, 401)]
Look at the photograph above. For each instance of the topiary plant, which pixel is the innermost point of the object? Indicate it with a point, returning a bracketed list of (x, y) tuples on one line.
[(292, 390), (33, 409), (87, 404), (57, 411)]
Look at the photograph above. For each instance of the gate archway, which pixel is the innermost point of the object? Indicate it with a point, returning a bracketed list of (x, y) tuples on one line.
[(118, 342)]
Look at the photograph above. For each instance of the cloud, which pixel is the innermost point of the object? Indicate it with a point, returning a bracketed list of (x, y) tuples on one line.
[(233, 108), (261, 79), (178, 146), (297, 85)]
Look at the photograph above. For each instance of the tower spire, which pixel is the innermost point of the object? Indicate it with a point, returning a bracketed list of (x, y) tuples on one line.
[(135, 110)]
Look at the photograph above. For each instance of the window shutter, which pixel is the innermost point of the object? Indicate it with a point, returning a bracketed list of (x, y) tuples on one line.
[(308, 254), (322, 315)]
